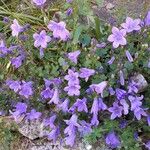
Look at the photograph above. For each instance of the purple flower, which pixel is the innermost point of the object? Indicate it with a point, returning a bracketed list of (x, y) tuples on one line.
[(73, 56), (71, 122), (50, 122), (33, 115), (117, 37), (99, 88), (120, 94), (80, 104), (123, 124), (55, 98), (39, 2), (112, 59), (41, 39), (16, 28), (59, 30), (72, 77), (86, 73), (53, 135), (139, 112), (111, 91), (130, 58), (95, 106), (133, 87), (6, 20), (69, 140), (131, 25), (116, 110), (125, 106), (71, 129), (26, 89), (135, 101), (17, 61), (148, 120), (64, 105), (101, 104), (47, 93), (69, 1), (94, 120), (85, 128), (112, 140), (14, 85), (3, 49), (101, 45), (136, 136), (147, 19), (73, 90), (121, 77), (21, 107), (147, 145), (69, 11)]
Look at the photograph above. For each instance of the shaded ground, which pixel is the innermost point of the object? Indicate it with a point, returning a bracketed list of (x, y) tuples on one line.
[(116, 10)]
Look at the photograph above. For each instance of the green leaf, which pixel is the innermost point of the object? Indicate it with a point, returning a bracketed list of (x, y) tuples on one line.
[(97, 28), (77, 34)]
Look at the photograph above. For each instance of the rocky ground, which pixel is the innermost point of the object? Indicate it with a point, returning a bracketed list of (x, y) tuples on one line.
[(112, 11)]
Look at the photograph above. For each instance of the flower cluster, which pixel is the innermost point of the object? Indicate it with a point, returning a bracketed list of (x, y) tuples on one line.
[(23, 88), (76, 94)]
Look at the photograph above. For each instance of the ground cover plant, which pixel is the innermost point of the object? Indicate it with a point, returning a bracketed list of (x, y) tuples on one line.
[(76, 74)]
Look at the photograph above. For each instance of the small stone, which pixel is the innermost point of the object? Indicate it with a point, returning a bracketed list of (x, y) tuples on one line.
[(32, 130), (110, 6), (88, 147)]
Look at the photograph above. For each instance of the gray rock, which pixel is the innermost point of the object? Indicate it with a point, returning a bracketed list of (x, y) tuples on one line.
[(32, 130), (140, 81)]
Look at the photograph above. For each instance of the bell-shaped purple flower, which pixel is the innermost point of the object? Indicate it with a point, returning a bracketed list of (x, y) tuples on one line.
[(112, 59), (26, 89), (64, 105), (72, 77), (17, 61), (148, 120), (14, 85), (129, 56), (70, 140), (116, 110), (16, 28), (73, 90), (125, 106), (41, 39), (99, 88), (131, 25), (50, 122), (117, 37), (85, 128), (112, 140), (39, 2), (95, 107), (101, 104), (94, 120), (55, 98), (33, 115), (139, 112), (80, 104), (59, 30), (120, 94), (53, 135), (73, 56), (86, 73), (135, 101), (147, 19), (47, 93)]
